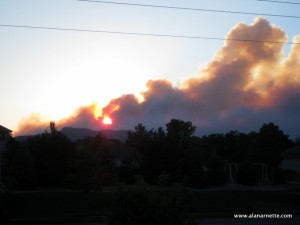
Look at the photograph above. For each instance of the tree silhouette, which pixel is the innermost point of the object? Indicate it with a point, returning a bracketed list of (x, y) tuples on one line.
[(180, 130), (51, 152), (21, 170), (163, 154), (53, 129), (92, 166), (269, 144), (139, 136)]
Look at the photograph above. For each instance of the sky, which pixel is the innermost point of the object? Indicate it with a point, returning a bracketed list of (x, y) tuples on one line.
[(78, 78)]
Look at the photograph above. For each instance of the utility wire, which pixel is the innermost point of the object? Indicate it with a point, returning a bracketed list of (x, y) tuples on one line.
[(192, 9), (281, 2), (146, 34)]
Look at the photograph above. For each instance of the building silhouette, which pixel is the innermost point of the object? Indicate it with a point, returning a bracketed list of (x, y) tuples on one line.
[(5, 134)]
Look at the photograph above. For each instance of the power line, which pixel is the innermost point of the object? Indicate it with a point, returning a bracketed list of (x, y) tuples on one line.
[(281, 2), (192, 9), (146, 34)]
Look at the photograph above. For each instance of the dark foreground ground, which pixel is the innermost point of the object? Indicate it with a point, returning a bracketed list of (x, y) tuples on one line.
[(221, 221), (216, 205)]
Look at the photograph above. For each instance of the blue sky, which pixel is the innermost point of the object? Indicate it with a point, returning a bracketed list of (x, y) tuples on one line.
[(52, 73)]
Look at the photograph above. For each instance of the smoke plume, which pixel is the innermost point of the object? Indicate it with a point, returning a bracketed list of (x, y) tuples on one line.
[(246, 84)]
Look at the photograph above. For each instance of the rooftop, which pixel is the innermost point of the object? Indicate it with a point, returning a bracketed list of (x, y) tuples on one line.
[(291, 153), (5, 129)]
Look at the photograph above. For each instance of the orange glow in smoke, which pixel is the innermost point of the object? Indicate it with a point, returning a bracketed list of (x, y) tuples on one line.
[(97, 111), (107, 120), (115, 108)]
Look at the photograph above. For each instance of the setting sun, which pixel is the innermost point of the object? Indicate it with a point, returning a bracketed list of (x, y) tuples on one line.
[(107, 121)]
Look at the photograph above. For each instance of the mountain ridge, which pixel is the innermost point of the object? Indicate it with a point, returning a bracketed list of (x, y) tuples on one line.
[(75, 133), (79, 133)]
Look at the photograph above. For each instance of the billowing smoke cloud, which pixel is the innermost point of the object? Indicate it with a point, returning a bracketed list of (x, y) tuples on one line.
[(246, 84), (83, 117)]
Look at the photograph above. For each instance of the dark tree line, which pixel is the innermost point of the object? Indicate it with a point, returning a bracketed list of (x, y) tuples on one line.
[(176, 155), (163, 156), (51, 159)]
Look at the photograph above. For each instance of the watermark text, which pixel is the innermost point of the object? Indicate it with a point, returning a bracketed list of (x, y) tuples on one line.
[(263, 216)]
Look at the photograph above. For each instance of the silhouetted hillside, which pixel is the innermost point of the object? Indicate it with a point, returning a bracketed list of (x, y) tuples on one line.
[(120, 135), (23, 137), (79, 133)]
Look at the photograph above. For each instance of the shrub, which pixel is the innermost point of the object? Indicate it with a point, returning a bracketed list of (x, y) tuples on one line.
[(279, 176), (289, 175), (128, 172), (248, 174), (164, 179), (197, 180), (216, 173), (140, 207), (21, 174)]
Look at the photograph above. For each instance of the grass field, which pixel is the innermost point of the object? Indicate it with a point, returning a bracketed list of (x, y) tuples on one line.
[(47, 204)]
